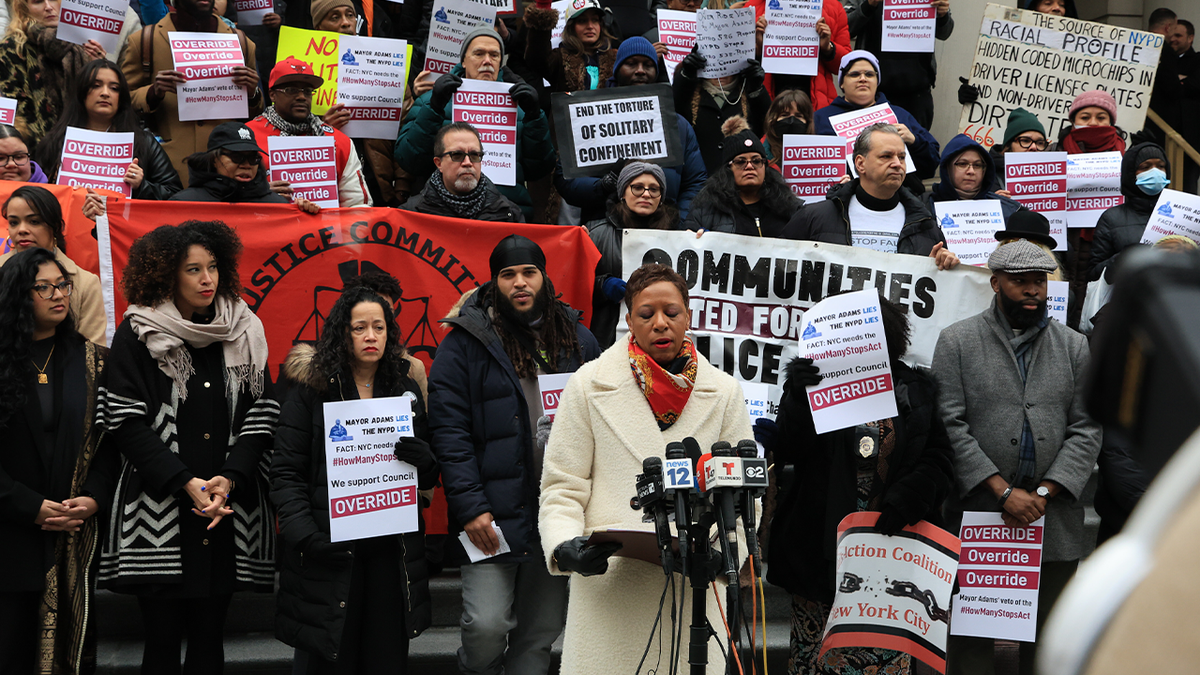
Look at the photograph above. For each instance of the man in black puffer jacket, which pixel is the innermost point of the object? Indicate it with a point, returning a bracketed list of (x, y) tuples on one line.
[(484, 408), (1122, 226)]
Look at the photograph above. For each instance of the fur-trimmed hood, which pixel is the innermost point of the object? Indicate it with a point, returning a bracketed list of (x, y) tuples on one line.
[(300, 367), (457, 308)]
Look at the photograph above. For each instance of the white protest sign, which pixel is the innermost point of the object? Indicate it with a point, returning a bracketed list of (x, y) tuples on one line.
[(1041, 62), (99, 20), (8, 110), (726, 40), (893, 591), (551, 388), (371, 493), (747, 294), (96, 159), (502, 6), (998, 578), (452, 20), (474, 552), (561, 6), (207, 61), (370, 84), (790, 43), (758, 404), (309, 164), (1056, 299), (251, 12), (813, 164), (908, 26), (597, 128), (1093, 185), (677, 30), (970, 226), (843, 335), (849, 125), (1174, 213), (489, 108), (1038, 180)]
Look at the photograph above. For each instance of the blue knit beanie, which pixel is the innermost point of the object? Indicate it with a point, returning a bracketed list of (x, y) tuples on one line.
[(635, 46)]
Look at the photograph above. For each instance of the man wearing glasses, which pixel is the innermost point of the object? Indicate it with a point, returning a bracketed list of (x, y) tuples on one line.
[(1023, 133), (459, 189), (292, 84), (968, 173)]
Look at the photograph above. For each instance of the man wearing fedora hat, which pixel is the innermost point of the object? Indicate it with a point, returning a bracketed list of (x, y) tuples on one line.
[(1024, 445)]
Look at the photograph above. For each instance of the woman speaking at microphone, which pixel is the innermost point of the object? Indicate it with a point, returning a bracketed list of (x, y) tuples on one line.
[(649, 389)]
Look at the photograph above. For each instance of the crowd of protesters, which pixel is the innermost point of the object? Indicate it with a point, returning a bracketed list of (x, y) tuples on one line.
[(121, 461)]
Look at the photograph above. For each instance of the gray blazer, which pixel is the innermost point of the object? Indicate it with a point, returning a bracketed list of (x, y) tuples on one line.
[(984, 403)]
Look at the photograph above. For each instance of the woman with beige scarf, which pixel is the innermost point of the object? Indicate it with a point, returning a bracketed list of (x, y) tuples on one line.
[(189, 404)]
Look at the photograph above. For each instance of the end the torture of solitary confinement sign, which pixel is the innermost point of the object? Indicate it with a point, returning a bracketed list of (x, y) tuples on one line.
[(598, 128)]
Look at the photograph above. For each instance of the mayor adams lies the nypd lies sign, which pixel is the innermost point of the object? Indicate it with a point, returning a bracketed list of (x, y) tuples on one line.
[(371, 493)]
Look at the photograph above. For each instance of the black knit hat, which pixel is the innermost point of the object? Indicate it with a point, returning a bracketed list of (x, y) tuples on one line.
[(739, 139), (516, 250)]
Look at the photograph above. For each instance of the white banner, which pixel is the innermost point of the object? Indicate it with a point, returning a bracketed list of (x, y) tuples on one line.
[(998, 577), (251, 12), (813, 164), (370, 83), (1038, 180), (449, 25), (99, 20), (309, 164), (790, 43), (908, 26), (1093, 185), (677, 30), (96, 159), (371, 493), (970, 227), (489, 108), (207, 61), (726, 40), (1175, 213), (748, 294), (849, 125)]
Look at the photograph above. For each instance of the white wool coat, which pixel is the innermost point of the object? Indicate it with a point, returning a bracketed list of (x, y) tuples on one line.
[(602, 431)]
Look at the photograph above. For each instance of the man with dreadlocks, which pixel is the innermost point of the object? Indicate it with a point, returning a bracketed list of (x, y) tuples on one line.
[(489, 434)]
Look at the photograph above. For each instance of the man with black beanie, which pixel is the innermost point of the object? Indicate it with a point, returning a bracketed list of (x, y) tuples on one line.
[(489, 433)]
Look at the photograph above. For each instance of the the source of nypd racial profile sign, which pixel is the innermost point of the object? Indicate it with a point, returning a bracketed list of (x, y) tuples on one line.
[(790, 43), (599, 128), (970, 226), (1041, 62), (1038, 180), (308, 164), (893, 592), (207, 61), (1093, 186), (725, 38), (843, 335), (813, 164), (489, 108), (371, 493), (677, 30), (999, 572), (849, 125), (449, 25), (96, 159), (1175, 213), (99, 20), (908, 26), (370, 84)]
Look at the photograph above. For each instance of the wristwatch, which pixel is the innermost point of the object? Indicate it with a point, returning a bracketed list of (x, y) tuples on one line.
[(1043, 492)]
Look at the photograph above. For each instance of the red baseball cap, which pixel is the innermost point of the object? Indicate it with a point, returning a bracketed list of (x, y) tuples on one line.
[(293, 69)]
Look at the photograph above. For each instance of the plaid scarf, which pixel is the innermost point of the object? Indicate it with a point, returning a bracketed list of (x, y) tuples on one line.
[(465, 206), (666, 389), (313, 126)]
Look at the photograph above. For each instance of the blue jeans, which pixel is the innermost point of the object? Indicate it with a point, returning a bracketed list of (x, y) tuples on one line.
[(512, 614)]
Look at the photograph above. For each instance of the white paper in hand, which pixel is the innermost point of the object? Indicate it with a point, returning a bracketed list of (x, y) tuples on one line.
[(473, 551)]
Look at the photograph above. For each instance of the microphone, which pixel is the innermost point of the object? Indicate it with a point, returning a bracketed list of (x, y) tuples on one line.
[(725, 468), (651, 498), (680, 479), (754, 482)]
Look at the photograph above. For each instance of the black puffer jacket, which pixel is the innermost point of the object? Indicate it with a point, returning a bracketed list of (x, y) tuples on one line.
[(804, 530), (1122, 226), (206, 185), (314, 578), (828, 221), (498, 209), (719, 208)]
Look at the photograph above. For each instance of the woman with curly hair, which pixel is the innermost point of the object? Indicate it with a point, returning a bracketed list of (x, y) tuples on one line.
[(102, 103), (358, 356), (36, 68), (587, 55), (53, 475), (35, 220), (189, 405), (744, 196)]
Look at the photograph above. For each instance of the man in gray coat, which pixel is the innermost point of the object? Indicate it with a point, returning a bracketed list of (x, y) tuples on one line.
[(1011, 392)]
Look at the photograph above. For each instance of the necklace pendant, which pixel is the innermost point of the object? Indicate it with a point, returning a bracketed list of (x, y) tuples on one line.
[(43, 379)]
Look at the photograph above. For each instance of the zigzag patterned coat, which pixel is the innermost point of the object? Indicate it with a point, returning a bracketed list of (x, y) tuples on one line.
[(165, 443)]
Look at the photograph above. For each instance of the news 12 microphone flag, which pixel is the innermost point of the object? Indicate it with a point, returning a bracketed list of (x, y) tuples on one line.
[(893, 591)]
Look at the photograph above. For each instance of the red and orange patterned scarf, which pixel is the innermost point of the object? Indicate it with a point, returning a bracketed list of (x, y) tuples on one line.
[(666, 392)]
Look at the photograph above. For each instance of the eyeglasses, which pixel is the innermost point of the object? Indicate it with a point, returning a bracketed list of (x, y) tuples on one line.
[(240, 158), (458, 156), (748, 162), (653, 190), (20, 159), (861, 74), (963, 166), (46, 291), (1025, 142), (295, 91)]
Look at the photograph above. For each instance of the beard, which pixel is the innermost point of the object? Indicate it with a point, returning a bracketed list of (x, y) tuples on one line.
[(466, 183), (1019, 317), (526, 317)]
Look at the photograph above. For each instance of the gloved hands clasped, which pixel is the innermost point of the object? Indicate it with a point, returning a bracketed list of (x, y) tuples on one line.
[(576, 556)]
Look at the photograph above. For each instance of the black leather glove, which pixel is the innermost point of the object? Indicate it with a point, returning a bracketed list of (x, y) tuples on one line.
[(418, 453), (801, 372), (753, 76), (576, 556), (691, 65), (443, 90), (766, 432), (967, 93), (890, 521), (526, 96)]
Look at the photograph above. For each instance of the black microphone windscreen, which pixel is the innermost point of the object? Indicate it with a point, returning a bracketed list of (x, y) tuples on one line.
[(652, 465), (677, 450), (722, 449), (747, 448), (693, 450)]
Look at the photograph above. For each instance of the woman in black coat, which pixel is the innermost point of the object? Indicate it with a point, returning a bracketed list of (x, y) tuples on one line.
[(54, 478), (906, 475), (350, 606)]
